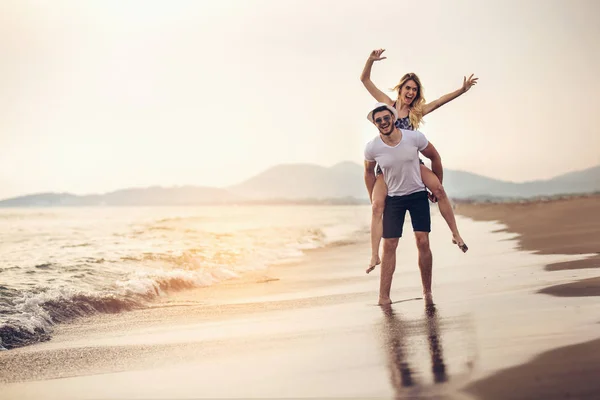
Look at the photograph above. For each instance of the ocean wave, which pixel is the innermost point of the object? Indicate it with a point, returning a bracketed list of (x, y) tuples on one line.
[(330, 236), (161, 228), (73, 285), (30, 318), (34, 314), (44, 265), (195, 218), (71, 246)]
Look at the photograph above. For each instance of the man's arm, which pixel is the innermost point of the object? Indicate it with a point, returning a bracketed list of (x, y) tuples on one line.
[(436, 161), (370, 177)]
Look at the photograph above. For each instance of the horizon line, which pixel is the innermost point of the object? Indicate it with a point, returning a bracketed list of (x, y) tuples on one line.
[(260, 173)]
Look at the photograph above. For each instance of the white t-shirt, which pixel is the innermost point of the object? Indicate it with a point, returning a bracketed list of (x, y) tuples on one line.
[(400, 163)]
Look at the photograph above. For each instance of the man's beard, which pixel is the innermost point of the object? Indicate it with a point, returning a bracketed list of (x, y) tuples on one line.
[(391, 129)]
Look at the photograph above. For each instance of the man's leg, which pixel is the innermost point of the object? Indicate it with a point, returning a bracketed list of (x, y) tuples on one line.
[(393, 222), (388, 266), (425, 260), (421, 222)]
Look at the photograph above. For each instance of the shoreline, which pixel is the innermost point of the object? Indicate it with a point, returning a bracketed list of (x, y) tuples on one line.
[(555, 226), (330, 338)]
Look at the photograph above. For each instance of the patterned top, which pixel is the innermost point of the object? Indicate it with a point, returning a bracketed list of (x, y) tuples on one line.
[(403, 123)]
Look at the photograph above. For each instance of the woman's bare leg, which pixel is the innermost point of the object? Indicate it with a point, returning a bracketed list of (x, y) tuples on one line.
[(434, 185), (378, 205)]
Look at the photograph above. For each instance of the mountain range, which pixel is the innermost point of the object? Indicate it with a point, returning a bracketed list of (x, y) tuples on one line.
[(307, 183)]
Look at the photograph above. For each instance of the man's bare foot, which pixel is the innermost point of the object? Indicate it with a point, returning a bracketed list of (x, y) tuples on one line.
[(384, 302), (461, 243), (428, 298), (375, 261)]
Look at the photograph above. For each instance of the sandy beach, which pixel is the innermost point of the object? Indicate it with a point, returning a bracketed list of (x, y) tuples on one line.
[(507, 324), (561, 226)]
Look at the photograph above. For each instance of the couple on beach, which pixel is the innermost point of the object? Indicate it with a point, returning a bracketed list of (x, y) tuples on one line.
[(396, 178)]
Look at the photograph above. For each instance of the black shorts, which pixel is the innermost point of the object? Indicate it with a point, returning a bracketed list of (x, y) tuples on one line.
[(417, 205)]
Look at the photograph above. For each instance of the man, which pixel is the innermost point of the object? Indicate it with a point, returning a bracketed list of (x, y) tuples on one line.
[(397, 154)]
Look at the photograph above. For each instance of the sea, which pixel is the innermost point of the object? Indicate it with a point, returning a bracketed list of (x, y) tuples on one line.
[(60, 264)]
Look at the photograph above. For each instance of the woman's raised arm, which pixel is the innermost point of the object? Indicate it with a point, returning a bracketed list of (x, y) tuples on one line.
[(365, 78), (434, 105)]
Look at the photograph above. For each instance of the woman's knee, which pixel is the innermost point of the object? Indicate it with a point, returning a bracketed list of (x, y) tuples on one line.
[(438, 191), (378, 206), (379, 195)]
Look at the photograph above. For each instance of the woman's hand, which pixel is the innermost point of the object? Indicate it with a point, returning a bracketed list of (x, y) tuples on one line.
[(434, 105), (376, 55), (467, 83), (365, 77)]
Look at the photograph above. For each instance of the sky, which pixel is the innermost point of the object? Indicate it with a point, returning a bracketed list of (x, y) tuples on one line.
[(101, 95)]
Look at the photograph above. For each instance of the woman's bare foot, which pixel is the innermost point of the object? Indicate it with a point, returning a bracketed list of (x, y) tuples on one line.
[(384, 302), (461, 244), (375, 261)]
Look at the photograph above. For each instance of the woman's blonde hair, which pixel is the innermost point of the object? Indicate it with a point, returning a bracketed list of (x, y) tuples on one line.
[(415, 114)]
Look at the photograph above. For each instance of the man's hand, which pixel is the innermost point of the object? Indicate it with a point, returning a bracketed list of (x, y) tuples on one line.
[(432, 198)]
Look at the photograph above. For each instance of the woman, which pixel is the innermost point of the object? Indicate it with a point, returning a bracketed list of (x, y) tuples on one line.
[(411, 108)]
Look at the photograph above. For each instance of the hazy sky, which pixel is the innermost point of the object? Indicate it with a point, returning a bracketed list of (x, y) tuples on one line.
[(101, 95)]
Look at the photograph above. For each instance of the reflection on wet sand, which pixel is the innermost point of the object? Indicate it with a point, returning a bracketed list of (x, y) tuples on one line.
[(398, 333), (435, 347)]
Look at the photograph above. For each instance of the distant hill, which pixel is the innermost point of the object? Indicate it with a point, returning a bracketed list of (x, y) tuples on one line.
[(185, 195), (346, 180), (297, 181), (42, 200), (306, 183), (461, 184)]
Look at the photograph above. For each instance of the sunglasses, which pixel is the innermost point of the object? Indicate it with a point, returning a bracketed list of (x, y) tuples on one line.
[(380, 120)]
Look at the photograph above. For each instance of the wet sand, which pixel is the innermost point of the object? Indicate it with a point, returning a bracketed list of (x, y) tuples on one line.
[(312, 329), (566, 373), (564, 226)]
